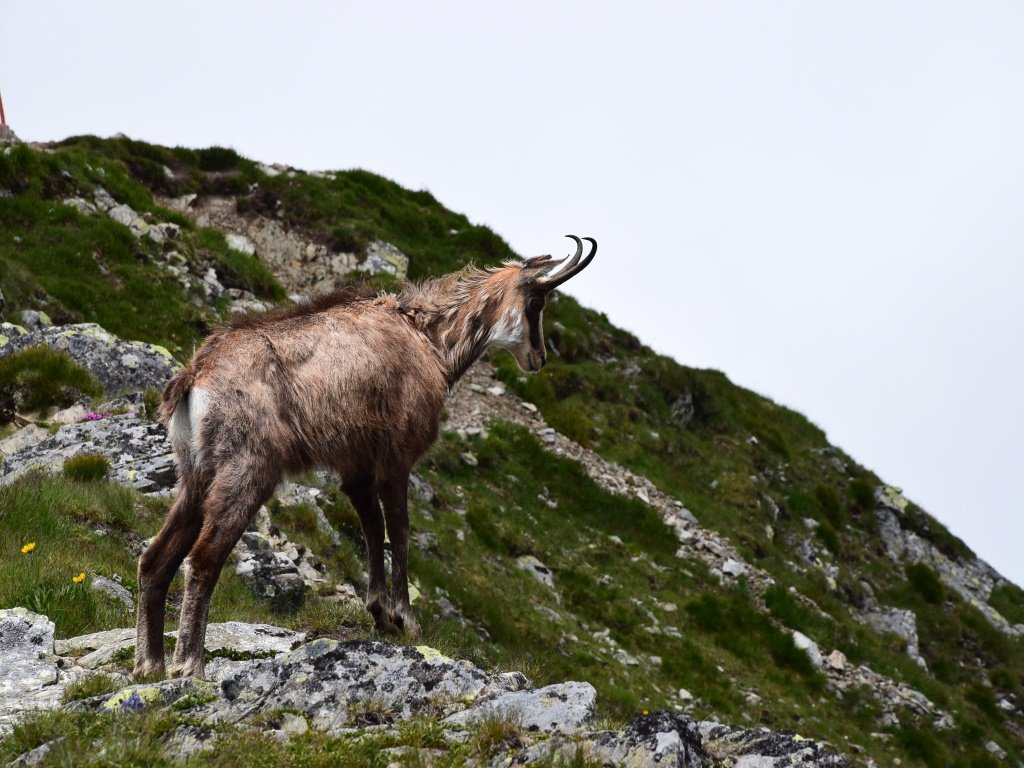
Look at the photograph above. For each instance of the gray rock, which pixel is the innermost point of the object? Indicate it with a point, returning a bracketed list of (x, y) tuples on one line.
[(33, 320), (682, 410), (324, 678), (900, 622), (804, 643), (269, 573), (761, 748), (115, 590), (385, 258), (139, 452), (734, 568), (240, 243), (101, 352), (26, 437), (537, 569), (241, 637), (93, 641), (28, 666), (34, 756), (658, 739), (564, 708)]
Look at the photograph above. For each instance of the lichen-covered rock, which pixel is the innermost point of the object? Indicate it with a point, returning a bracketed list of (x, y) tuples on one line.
[(562, 708), (138, 451), (28, 666), (661, 739), (972, 578), (324, 679), (763, 748), (119, 365)]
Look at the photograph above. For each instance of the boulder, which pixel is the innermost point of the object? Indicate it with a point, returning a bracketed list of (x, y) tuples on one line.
[(325, 678)]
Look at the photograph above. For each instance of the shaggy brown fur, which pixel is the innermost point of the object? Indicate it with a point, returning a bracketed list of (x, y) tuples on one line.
[(349, 381)]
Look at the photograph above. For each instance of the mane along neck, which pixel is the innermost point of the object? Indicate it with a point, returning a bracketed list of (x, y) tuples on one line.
[(460, 313)]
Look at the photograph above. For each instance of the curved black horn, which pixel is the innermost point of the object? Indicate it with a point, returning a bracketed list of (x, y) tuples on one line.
[(574, 266)]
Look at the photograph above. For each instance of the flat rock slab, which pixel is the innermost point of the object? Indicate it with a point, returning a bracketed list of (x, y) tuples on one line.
[(562, 708), (239, 637)]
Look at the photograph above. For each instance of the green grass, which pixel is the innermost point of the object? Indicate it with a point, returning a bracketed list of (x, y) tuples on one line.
[(39, 377), (57, 515)]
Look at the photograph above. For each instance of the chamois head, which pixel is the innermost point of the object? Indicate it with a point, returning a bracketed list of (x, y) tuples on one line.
[(519, 327)]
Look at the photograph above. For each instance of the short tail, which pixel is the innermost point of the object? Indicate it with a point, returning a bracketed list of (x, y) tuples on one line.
[(175, 393)]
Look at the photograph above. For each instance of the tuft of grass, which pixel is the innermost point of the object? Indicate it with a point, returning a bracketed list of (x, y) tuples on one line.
[(86, 467), (39, 377), (926, 583), (497, 734), (93, 685), (370, 711)]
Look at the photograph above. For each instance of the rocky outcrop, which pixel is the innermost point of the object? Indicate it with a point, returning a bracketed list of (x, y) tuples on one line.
[(118, 364), (301, 264), (259, 671), (138, 450), (972, 579)]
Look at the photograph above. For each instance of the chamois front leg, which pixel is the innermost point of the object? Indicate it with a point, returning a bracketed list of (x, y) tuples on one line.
[(363, 496), (394, 495)]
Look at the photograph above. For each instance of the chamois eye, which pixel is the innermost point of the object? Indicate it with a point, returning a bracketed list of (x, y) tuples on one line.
[(535, 303)]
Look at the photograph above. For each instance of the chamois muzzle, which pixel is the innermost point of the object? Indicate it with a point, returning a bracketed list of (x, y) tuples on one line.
[(575, 266)]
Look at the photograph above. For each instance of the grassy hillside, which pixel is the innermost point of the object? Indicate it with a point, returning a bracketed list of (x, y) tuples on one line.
[(755, 472)]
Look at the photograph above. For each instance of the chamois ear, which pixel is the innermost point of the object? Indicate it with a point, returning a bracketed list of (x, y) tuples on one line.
[(551, 280)]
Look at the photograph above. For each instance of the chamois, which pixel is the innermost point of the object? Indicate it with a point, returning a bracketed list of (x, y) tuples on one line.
[(350, 381)]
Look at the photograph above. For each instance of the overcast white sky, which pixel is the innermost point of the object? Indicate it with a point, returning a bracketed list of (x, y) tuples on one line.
[(824, 200)]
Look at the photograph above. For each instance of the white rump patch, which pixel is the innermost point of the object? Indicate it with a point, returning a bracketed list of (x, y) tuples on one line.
[(184, 427)]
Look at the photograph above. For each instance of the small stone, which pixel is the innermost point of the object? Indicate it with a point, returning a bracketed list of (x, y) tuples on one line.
[(115, 590), (994, 749), (469, 459), (734, 568), (837, 661), (804, 643), (528, 406), (497, 390)]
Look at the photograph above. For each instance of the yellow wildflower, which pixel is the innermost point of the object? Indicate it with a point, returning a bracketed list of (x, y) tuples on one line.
[(79, 578), (28, 548), (645, 713)]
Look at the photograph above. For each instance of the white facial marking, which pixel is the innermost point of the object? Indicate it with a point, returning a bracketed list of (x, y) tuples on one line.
[(507, 332)]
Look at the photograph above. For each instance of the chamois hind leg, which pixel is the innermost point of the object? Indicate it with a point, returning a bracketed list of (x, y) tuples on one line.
[(363, 495), (394, 493), (231, 503), (157, 567)]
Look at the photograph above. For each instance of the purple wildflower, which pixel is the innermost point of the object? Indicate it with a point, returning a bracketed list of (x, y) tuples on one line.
[(133, 702), (93, 416)]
